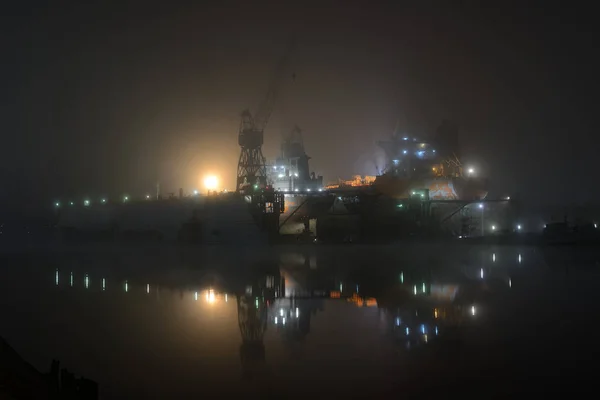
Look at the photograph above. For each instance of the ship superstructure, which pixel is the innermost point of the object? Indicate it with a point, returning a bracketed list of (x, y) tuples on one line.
[(290, 172), (413, 157), (430, 169)]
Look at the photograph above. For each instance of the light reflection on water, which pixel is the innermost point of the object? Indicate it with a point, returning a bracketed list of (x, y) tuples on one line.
[(184, 321)]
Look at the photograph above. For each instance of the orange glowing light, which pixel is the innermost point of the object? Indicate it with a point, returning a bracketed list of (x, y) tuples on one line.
[(211, 182)]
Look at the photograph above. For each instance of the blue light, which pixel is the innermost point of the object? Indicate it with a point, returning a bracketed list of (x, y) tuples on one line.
[(396, 162)]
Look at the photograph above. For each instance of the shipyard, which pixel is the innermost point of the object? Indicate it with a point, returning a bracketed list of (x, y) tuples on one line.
[(292, 200), (422, 190)]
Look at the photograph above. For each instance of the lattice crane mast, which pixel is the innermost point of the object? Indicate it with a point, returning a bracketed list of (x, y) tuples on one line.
[(252, 168)]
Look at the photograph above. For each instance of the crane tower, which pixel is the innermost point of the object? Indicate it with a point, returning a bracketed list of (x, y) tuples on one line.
[(251, 165)]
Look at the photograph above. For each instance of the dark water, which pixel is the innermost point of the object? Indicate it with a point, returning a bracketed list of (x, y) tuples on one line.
[(418, 320)]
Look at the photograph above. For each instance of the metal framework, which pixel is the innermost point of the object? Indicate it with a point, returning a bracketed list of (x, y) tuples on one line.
[(252, 168)]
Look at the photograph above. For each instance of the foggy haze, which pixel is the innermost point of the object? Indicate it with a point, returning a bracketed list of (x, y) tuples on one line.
[(107, 99)]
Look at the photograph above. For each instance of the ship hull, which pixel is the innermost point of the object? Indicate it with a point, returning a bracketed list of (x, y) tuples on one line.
[(439, 188), (205, 220)]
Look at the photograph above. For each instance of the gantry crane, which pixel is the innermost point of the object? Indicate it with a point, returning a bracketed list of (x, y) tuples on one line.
[(252, 164)]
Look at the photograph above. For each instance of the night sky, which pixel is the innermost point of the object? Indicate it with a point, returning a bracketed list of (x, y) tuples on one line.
[(102, 99)]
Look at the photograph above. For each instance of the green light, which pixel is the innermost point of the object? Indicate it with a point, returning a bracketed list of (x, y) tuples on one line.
[(400, 205)]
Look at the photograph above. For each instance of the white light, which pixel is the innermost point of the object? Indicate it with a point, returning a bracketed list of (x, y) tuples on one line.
[(433, 150), (147, 196), (226, 299), (320, 189), (295, 190), (481, 273), (423, 287), (280, 176), (281, 312), (125, 198), (56, 278), (493, 227), (404, 151), (210, 296), (274, 166), (71, 203), (283, 320), (480, 205), (296, 175), (297, 312), (472, 310), (211, 182), (507, 197), (339, 198), (471, 170), (460, 237), (518, 227), (196, 296), (71, 279), (86, 202), (308, 190), (147, 288), (126, 286), (520, 259), (87, 281), (509, 282), (404, 138), (57, 204), (415, 289), (595, 225), (494, 257), (103, 200), (275, 320), (195, 192), (103, 284)]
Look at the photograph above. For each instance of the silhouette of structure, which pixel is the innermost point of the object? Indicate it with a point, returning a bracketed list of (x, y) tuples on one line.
[(252, 307), (251, 169)]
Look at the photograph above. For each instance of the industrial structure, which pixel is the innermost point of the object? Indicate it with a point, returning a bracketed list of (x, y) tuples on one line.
[(290, 171), (251, 168), (429, 169), (423, 187)]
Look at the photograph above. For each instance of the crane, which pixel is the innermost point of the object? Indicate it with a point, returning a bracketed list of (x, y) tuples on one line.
[(251, 164)]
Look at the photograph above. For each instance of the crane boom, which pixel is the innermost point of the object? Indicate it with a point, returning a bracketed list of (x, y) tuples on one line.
[(263, 113), (252, 164)]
